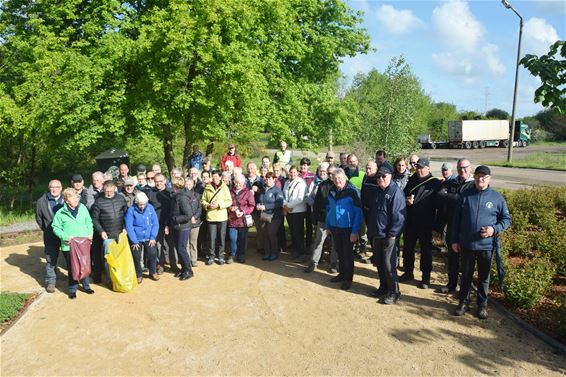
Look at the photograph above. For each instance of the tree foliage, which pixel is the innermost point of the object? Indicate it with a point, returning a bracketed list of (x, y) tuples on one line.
[(441, 114), (497, 114), (554, 123), (551, 70)]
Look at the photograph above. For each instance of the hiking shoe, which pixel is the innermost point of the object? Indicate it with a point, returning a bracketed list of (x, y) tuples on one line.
[(482, 312), (155, 277), (406, 277), (445, 290), (209, 261), (379, 292), (391, 298), (310, 268), (159, 269), (72, 296), (230, 260), (424, 284), (337, 279), (50, 288), (333, 268), (461, 309)]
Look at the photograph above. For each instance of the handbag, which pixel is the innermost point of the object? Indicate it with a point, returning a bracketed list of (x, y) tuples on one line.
[(248, 221), (266, 217)]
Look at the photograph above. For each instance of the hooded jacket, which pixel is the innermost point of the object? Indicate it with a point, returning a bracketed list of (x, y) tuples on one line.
[(66, 225), (141, 225), (344, 208)]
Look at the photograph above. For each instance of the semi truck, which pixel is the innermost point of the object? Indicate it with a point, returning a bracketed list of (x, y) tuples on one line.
[(470, 134)]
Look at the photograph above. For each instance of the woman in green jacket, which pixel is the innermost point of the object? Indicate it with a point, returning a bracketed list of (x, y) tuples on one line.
[(72, 220)]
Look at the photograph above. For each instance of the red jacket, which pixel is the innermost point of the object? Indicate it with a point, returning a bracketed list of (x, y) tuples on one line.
[(235, 158), (244, 200)]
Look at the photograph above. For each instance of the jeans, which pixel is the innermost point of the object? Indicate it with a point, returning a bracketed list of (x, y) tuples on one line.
[(216, 233), (296, 223), (345, 248), (319, 238), (423, 234), (51, 256), (73, 284), (181, 241), (238, 238), (150, 252), (271, 232), (469, 257), (386, 258)]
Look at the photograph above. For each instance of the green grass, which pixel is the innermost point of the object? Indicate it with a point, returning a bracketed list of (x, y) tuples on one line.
[(540, 160), (550, 143), (13, 217), (11, 304)]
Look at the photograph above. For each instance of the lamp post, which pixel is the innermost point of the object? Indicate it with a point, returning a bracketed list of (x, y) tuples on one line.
[(507, 5)]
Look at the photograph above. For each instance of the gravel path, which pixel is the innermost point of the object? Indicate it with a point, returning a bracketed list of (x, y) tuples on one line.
[(19, 227)]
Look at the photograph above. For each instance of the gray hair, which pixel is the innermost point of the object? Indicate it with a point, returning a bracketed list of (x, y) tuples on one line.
[(141, 198), (339, 171), (226, 174), (98, 174), (239, 178), (324, 165), (176, 172)]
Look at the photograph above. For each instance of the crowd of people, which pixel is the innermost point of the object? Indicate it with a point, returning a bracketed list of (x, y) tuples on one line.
[(340, 207)]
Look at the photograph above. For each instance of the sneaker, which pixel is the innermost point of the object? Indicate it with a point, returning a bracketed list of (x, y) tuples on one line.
[(391, 298), (273, 257), (461, 309), (221, 262), (209, 261), (242, 260), (159, 269), (155, 277), (72, 296), (337, 279), (406, 277), (482, 312), (89, 291), (50, 288), (140, 279), (445, 290), (346, 285), (310, 268), (424, 284), (230, 260), (333, 268), (379, 292)]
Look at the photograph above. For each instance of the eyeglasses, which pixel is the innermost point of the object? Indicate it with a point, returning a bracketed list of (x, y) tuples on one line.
[(482, 177), (55, 187), (150, 178), (381, 176), (463, 167)]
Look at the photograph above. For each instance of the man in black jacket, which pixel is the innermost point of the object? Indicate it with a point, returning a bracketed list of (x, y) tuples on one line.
[(108, 219), (47, 205), (421, 198), (160, 198)]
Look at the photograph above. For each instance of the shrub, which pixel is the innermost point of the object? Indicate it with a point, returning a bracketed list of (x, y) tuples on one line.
[(10, 305), (520, 243), (525, 284), (552, 244)]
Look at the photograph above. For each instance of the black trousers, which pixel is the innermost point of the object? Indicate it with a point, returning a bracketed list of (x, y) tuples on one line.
[(453, 262), (423, 234), (483, 258), (386, 258), (344, 248), (308, 227), (296, 223), (96, 258)]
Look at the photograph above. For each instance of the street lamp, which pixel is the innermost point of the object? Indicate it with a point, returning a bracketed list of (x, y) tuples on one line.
[(507, 5)]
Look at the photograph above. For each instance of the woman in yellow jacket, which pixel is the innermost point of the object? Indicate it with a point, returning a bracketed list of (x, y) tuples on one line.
[(216, 199)]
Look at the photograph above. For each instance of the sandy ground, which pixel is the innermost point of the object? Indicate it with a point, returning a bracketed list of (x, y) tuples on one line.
[(262, 318)]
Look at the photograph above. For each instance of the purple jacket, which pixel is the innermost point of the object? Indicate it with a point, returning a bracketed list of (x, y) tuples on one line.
[(244, 200)]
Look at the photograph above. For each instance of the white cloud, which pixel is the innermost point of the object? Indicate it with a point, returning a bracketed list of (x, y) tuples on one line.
[(452, 64), (456, 25), (397, 21), (539, 35), (491, 56)]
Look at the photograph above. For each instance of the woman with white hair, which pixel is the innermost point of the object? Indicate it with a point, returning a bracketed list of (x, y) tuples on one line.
[(243, 204), (142, 226)]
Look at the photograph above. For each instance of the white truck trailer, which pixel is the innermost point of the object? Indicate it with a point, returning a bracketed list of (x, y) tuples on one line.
[(478, 133)]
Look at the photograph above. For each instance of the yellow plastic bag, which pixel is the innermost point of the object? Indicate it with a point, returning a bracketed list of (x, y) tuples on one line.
[(121, 265)]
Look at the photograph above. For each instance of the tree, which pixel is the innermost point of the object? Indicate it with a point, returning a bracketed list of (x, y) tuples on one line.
[(389, 108), (441, 114), (553, 123), (551, 70), (497, 114)]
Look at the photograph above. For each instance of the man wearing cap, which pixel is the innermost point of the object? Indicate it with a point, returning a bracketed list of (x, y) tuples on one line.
[(386, 218), (421, 199), (448, 198), (447, 172), (77, 183), (282, 156), (480, 216), (47, 206), (231, 155), (129, 191)]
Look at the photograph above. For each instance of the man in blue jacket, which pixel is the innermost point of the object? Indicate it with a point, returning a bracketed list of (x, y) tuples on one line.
[(343, 221), (386, 218), (479, 218)]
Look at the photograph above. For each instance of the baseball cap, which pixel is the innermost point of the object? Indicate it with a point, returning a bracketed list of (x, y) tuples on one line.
[(447, 166), (129, 182), (423, 161), (385, 169), (482, 169), (77, 178)]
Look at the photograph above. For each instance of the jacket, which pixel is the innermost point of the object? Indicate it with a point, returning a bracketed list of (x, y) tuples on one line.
[(344, 208), (449, 196), (256, 182), (244, 200), (93, 194), (141, 226), (401, 179), (183, 210), (475, 210), (108, 215), (294, 193), (66, 225), (386, 212), (161, 201), (320, 199), (194, 160), (44, 217), (195, 202), (368, 194), (235, 158), (223, 198), (272, 199), (423, 212), (356, 177)]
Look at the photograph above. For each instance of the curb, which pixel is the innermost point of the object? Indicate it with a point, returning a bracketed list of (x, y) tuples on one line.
[(558, 347)]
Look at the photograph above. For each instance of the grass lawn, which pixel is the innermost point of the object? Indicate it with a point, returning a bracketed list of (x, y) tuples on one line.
[(541, 160)]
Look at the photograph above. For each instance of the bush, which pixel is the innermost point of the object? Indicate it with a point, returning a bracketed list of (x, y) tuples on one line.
[(552, 244), (520, 244), (11, 304), (525, 284)]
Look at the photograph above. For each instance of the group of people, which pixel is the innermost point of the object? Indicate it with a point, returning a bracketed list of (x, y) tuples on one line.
[(171, 221)]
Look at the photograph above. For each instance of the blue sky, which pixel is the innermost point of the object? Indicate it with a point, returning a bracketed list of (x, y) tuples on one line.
[(464, 52)]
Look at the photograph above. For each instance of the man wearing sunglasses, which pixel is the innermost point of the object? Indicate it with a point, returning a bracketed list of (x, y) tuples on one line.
[(481, 214)]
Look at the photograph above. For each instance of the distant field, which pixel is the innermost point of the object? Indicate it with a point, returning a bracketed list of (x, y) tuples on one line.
[(538, 160)]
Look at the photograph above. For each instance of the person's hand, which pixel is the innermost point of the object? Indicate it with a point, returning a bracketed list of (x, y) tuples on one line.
[(104, 236), (435, 234), (487, 231), (354, 237), (410, 200), (90, 237), (152, 243), (136, 246), (456, 247), (254, 188), (213, 206), (233, 208), (166, 230), (193, 220)]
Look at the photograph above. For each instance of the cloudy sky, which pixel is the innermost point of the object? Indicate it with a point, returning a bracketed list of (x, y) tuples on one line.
[(464, 52)]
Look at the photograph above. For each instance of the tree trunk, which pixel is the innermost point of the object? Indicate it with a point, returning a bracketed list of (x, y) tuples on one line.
[(31, 182), (189, 132), (168, 147)]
